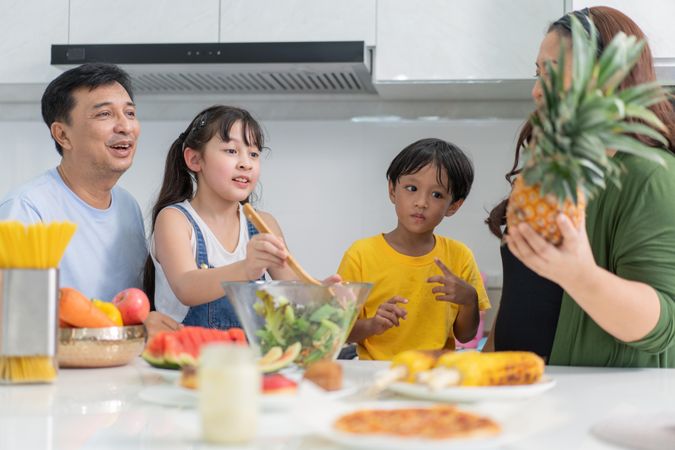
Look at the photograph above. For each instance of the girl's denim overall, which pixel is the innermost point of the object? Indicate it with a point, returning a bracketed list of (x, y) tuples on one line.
[(217, 313)]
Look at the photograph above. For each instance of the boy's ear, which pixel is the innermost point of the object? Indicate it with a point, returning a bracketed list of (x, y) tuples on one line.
[(392, 195), (454, 207), (193, 159)]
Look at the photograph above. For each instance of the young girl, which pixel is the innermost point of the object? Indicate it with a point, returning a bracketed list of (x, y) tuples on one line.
[(200, 234)]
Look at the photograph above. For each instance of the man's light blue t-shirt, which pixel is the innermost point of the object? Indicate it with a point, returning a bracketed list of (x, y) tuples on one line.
[(108, 250)]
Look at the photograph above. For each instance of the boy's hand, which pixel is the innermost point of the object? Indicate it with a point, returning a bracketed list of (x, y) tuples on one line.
[(452, 289), (263, 251), (388, 315)]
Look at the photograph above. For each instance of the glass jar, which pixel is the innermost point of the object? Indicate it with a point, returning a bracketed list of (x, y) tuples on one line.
[(229, 389)]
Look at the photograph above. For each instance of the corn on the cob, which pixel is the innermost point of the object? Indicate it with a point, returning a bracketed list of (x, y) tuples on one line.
[(414, 362), (406, 365), (493, 369)]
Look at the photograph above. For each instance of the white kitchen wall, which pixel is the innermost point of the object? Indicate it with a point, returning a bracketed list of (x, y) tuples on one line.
[(323, 181)]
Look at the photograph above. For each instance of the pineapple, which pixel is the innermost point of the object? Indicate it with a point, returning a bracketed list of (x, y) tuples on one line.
[(565, 162)]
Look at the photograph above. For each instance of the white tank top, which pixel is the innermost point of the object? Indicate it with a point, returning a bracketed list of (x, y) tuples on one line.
[(165, 300)]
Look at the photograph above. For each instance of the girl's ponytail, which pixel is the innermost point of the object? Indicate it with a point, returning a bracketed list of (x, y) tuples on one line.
[(177, 186)]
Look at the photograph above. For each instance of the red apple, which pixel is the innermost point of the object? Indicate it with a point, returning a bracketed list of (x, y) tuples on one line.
[(134, 306)]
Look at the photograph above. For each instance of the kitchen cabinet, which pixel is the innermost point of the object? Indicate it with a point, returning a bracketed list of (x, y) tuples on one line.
[(460, 39), (467, 41), (160, 21), (655, 17), (28, 30), (297, 20), (147, 21)]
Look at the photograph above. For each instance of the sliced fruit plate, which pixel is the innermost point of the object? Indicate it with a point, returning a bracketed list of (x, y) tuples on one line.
[(277, 394), (176, 349), (277, 358)]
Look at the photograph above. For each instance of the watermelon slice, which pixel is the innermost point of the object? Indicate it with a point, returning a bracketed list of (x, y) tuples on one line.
[(174, 349), (162, 351), (237, 335), (190, 340), (275, 383)]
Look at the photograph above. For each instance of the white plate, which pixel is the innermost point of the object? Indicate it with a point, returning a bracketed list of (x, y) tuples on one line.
[(648, 430), (347, 390), (170, 375), (169, 395), (178, 396), (322, 423), (473, 394)]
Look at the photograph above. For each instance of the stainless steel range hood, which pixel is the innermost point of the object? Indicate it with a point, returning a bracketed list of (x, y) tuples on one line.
[(233, 68), (665, 70)]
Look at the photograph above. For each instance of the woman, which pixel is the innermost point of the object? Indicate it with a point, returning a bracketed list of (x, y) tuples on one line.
[(606, 296)]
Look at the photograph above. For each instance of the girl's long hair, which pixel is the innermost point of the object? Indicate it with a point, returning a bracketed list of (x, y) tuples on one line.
[(608, 22), (179, 182)]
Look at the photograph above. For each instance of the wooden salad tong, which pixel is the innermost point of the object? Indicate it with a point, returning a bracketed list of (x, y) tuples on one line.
[(262, 227)]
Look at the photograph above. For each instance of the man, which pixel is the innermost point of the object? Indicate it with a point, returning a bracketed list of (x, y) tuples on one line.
[(92, 118)]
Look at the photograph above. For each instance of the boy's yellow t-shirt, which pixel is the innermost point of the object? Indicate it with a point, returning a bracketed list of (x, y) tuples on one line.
[(429, 322)]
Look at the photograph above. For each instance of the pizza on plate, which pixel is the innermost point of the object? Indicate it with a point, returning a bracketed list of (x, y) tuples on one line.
[(435, 422)]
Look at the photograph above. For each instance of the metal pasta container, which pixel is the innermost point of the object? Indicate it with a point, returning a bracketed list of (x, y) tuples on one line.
[(28, 325)]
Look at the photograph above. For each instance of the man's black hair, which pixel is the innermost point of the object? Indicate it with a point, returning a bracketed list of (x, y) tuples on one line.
[(58, 101), (444, 155)]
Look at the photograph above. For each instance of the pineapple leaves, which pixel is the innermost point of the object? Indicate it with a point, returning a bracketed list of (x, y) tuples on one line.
[(549, 88), (644, 95), (575, 125), (616, 61), (583, 59), (644, 114), (628, 144), (642, 130)]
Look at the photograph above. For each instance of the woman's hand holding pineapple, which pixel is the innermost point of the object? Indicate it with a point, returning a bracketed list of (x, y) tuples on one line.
[(626, 309), (567, 264)]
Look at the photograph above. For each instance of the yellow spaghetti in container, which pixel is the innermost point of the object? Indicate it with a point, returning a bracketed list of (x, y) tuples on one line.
[(29, 258)]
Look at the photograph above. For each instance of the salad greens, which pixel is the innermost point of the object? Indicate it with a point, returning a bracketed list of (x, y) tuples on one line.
[(321, 329)]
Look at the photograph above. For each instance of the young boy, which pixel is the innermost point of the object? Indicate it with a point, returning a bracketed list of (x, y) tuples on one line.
[(427, 288)]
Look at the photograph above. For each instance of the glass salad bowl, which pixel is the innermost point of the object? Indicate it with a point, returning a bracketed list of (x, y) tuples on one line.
[(284, 315)]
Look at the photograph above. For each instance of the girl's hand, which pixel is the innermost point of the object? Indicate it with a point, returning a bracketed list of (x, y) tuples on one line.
[(387, 316), (157, 322), (564, 265), (452, 289), (264, 251), (331, 280)]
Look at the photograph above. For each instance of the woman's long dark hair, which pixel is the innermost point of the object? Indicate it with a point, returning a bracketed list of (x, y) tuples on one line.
[(179, 182), (608, 22)]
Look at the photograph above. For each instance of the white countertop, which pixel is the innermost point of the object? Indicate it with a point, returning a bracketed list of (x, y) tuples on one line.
[(101, 408)]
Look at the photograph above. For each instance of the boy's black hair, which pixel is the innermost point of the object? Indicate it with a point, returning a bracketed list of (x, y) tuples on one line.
[(58, 101), (446, 156)]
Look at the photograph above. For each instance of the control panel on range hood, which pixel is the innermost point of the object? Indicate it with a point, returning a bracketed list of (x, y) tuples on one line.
[(233, 68)]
